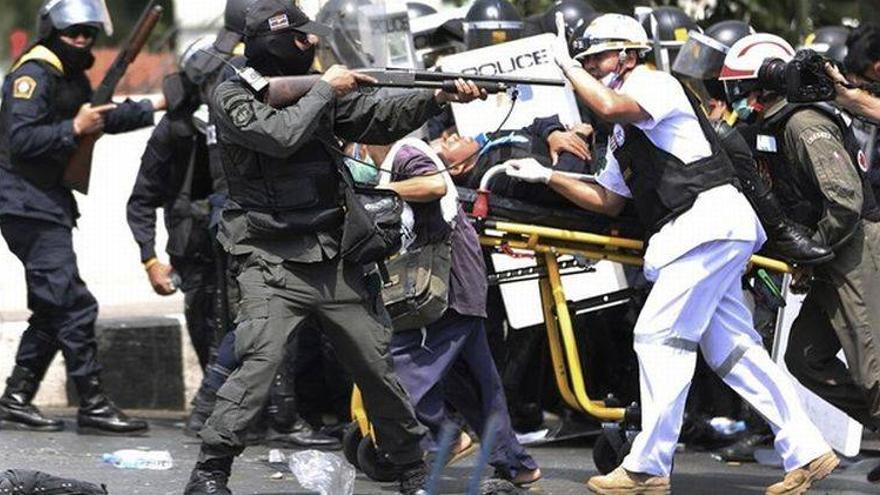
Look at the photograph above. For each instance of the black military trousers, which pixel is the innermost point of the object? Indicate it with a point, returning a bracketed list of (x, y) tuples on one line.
[(63, 310), (275, 299), (198, 283)]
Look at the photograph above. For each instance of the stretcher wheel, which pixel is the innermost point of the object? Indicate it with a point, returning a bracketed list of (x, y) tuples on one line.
[(610, 448), (351, 440), (372, 465)]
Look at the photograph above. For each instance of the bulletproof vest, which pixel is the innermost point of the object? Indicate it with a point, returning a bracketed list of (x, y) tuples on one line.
[(801, 199), (68, 93), (662, 185), (295, 194), (187, 216)]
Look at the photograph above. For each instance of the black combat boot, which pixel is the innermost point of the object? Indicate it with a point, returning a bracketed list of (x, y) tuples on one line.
[(15, 405), (98, 415), (413, 479), (210, 478), (787, 239), (301, 434), (203, 406)]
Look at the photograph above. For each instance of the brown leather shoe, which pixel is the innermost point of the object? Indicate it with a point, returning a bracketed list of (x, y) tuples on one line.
[(622, 482), (799, 480)]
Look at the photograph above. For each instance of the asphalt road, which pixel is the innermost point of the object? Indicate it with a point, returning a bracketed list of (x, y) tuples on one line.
[(565, 467)]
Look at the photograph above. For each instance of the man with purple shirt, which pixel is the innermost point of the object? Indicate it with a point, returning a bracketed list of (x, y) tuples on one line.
[(424, 358)]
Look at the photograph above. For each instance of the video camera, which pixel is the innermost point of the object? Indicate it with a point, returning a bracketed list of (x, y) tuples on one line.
[(802, 80)]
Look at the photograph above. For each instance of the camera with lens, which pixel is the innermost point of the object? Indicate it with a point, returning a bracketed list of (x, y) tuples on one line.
[(802, 80)]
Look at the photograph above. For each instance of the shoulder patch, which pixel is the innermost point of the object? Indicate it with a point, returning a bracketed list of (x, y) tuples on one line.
[(242, 114), (863, 161), (24, 87)]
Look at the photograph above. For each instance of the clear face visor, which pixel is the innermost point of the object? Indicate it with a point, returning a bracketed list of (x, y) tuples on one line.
[(701, 57), (66, 13)]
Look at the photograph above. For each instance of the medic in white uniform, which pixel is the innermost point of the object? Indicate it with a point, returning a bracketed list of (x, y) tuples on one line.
[(702, 233)]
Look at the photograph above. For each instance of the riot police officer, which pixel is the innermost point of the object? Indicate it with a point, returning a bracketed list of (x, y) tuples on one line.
[(667, 29), (283, 222), (489, 22), (45, 114), (174, 175)]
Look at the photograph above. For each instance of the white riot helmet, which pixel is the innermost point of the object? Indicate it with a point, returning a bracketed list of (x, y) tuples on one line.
[(61, 14), (611, 32), (746, 59)]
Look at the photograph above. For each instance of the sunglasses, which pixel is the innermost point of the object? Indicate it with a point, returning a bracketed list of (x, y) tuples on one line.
[(88, 32)]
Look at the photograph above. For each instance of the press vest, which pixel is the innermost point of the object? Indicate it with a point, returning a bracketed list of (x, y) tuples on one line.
[(803, 200), (662, 185)]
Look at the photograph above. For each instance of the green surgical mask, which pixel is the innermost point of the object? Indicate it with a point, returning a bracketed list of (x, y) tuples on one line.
[(362, 174)]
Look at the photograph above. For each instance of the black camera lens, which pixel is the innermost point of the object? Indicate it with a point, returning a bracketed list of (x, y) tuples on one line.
[(771, 76)]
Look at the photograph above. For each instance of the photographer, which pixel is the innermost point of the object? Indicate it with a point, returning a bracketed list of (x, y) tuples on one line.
[(862, 64), (811, 153)]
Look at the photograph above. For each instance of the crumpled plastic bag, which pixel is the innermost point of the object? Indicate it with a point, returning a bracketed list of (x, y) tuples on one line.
[(323, 472)]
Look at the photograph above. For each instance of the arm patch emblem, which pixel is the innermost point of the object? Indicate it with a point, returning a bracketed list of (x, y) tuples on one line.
[(24, 87)]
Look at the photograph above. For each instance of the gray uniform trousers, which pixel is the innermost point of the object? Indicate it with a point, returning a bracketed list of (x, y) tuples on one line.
[(275, 298), (842, 310)]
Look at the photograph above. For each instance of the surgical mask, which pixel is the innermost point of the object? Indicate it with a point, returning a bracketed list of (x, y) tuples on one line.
[(609, 80), (360, 172), (743, 110)]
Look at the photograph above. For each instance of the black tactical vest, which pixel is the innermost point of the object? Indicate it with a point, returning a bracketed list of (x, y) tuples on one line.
[(801, 199), (663, 186), (297, 194), (68, 93)]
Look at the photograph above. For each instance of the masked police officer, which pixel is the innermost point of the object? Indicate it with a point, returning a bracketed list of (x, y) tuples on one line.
[(45, 113), (665, 156), (175, 176), (814, 159), (283, 222)]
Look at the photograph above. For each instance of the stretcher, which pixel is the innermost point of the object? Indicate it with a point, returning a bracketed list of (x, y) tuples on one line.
[(519, 228)]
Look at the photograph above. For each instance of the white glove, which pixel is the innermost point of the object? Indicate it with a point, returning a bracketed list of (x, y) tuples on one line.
[(560, 46), (528, 170)]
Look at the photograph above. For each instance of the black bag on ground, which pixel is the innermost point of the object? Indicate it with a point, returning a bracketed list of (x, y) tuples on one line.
[(416, 293), (24, 482)]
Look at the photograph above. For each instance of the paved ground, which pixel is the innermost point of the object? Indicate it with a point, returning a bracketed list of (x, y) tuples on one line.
[(565, 467)]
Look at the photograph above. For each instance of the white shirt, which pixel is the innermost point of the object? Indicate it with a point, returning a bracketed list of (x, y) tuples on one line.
[(721, 213)]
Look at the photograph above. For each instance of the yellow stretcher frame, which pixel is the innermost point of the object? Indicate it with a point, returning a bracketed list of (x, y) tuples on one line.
[(547, 244)]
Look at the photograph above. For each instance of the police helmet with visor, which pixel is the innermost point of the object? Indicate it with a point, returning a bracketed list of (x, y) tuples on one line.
[(58, 15), (490, 22)]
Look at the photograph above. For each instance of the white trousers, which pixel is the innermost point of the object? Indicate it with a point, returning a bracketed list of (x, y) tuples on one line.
[(697, 300)]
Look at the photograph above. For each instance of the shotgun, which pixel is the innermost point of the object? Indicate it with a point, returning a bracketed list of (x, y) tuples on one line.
[(79, 169), (284, 91)]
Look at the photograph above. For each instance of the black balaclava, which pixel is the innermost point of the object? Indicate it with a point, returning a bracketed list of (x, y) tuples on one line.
[(75, 59), (276, 54)]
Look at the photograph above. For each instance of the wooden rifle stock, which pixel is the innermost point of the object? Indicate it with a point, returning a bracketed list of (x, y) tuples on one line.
[(285, 91), (78, 172)]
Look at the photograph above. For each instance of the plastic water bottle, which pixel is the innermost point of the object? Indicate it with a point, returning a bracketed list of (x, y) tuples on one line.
[(139, 459)]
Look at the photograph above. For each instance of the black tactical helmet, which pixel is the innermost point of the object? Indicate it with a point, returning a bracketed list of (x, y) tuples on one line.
[(829, 41), (702, 56), (575, 13), (489, 22), (729, 32), (667, 29), (419, 9)]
